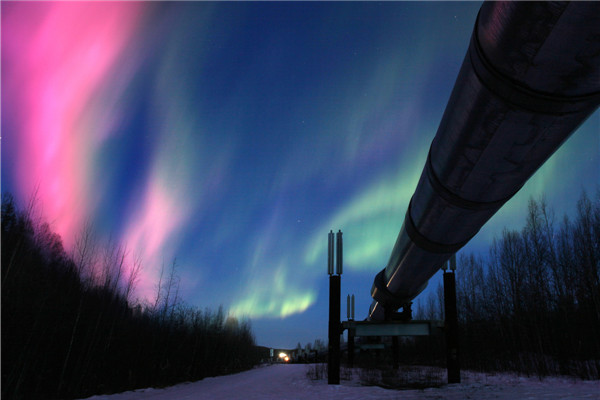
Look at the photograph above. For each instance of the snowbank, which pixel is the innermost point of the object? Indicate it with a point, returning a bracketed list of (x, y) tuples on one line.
[(290, 382)]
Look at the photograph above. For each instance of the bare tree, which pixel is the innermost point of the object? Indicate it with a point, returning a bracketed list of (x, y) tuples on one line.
[(133, 275), (85, 252)]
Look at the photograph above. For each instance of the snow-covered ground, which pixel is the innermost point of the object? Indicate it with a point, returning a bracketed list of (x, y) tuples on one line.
[(290, 382)]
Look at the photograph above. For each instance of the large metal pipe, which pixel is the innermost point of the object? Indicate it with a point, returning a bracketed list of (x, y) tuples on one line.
[(531, 76)]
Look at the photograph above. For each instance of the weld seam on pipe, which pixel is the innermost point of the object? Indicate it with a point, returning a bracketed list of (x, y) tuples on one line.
[(424, 243), (520, 96), (454, 199), (383, 295)]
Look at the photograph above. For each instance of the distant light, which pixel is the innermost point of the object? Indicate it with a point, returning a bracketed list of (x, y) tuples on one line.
[(286, 359), (282, 355)]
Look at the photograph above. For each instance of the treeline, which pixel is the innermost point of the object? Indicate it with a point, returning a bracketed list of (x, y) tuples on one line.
[(70, 329), (533, 304)]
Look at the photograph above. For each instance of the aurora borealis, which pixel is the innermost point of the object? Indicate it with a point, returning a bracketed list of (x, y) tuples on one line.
[(234, 136)]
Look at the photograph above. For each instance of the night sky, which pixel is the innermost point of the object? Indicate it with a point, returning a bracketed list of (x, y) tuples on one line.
[(234, 136)]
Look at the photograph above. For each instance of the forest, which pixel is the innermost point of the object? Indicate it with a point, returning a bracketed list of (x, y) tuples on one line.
[(71, 329), (532, 304)]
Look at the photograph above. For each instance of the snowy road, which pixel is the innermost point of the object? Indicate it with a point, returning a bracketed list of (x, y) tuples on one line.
[(290, 382)]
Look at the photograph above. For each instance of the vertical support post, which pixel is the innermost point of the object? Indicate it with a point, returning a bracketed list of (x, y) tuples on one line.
[(330, 254), (348, 307), (339, 254), (350, 301), (451, 324), (333, 364), (395, 352), (350, 348)]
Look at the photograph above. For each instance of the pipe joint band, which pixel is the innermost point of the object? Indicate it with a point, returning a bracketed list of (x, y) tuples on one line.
[(453, 198), (382, 295), (520, 96), (424, 243)]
